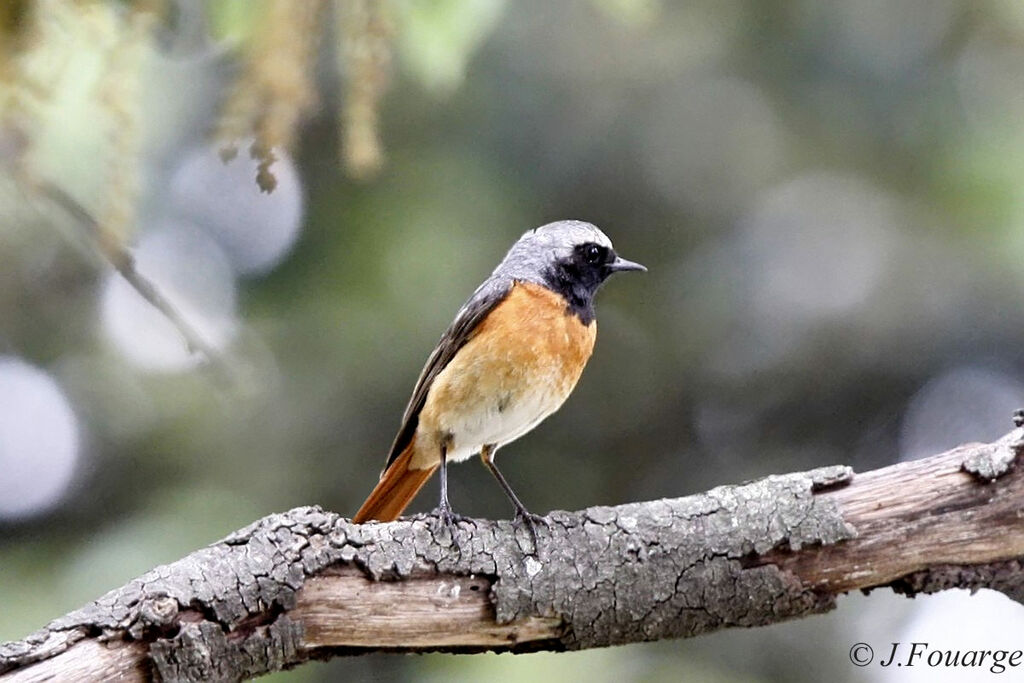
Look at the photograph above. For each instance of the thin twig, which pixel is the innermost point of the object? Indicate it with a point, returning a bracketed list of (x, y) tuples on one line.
[(118, 256)]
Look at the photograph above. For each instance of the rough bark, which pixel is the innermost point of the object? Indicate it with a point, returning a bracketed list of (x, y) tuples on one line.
[(309, 584)]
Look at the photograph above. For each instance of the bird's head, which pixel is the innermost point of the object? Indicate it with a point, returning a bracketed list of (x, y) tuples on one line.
[(571, 258)]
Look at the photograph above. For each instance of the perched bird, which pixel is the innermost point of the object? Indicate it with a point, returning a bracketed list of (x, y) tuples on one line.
[(511, 357)]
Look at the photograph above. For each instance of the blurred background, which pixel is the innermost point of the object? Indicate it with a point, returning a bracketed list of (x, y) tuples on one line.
[(829, 196)]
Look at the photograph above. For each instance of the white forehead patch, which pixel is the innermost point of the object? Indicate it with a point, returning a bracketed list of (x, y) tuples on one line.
[(568, 234), (538, 249)]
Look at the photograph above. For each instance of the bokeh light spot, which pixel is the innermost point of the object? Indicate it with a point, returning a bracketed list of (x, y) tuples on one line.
[(964, 404), (816, 246), (39, 440), (191, 271), (255, 229)]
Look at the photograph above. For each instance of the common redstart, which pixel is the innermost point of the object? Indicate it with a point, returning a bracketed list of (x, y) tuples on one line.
[(511, 357)]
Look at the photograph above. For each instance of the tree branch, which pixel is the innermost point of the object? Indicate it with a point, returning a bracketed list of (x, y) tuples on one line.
[(309, 584)]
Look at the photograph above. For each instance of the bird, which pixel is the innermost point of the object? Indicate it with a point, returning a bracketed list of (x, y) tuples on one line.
[(509, 359)]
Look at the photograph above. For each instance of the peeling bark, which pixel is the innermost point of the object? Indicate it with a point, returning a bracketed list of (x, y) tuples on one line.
[(309, 584)]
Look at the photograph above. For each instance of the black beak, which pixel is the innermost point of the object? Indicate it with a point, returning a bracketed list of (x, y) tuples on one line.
[(622, 264)]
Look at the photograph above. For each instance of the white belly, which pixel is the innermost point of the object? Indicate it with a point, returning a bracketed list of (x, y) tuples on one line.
[(472, 430), (487, 422)]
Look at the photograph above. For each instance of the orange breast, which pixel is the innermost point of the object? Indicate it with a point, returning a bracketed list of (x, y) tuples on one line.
[(519, 367), (532, 335)]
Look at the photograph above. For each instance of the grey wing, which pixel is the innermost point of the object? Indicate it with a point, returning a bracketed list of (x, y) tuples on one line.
[(483, 301)]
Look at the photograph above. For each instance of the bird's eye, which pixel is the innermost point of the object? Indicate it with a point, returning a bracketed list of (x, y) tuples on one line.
[(593, 254)]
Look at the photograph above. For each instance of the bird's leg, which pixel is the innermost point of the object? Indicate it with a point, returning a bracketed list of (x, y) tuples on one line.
[(444, 509), (522, 514)]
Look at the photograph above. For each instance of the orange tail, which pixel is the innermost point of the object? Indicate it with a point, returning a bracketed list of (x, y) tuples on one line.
[(397, 487)]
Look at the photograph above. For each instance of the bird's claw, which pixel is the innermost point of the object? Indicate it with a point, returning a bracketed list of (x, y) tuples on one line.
[(530, 521), (450, 521)]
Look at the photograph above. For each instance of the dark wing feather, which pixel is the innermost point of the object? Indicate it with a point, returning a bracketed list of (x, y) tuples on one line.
[(484, 299)]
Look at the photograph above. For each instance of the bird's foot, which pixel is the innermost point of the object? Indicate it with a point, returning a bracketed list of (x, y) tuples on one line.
[(530, 521), (449, 520)]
